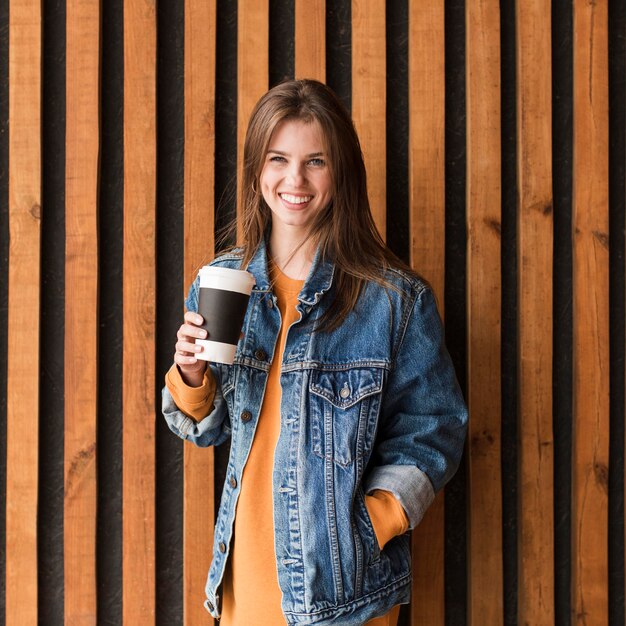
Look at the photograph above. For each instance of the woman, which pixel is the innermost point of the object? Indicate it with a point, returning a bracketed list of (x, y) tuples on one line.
[(342, 405)]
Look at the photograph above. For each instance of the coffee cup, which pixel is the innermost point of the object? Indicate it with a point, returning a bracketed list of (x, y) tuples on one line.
[(222, 302)]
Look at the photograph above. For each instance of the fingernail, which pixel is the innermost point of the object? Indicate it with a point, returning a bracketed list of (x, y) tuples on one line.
[(203, 333)]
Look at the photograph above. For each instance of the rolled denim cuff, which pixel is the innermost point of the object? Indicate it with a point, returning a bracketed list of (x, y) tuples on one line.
[(408, 484), (209, 431)]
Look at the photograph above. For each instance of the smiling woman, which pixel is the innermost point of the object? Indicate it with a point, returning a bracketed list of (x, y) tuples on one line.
[(341, 404)]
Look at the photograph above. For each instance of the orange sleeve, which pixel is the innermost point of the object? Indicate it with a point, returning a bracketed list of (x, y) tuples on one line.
[(196, 402), (387, 515)]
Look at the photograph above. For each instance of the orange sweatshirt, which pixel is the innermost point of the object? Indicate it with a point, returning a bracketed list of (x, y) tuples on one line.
[(250, 586)]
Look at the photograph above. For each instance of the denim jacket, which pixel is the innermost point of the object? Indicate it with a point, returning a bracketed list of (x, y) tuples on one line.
[(373, 405)]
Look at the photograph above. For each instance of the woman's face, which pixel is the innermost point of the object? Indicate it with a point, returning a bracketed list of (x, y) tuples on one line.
[(296, 180)]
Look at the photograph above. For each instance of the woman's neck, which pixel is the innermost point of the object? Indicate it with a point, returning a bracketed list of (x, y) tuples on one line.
[(293, 261)]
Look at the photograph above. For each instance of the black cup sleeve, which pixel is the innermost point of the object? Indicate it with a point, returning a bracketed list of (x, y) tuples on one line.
[(223, 312)]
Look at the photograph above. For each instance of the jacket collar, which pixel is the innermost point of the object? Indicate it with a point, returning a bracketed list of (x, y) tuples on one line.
[(318, 281)]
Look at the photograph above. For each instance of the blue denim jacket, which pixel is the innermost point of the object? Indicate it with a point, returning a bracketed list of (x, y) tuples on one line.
[(373, 405)]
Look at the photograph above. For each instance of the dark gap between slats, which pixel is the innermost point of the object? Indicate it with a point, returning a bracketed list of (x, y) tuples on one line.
[(397, 120), (562, 134), (339, 49), (617, 312), (50, 570), (455, 299), (170, 297), (397, 149), (110, 259), (51, 398), (281, 41), (225, 120), (4, 281), (509, 314), (225, 159)]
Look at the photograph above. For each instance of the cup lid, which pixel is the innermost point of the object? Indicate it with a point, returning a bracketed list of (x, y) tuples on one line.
[(241, 278)]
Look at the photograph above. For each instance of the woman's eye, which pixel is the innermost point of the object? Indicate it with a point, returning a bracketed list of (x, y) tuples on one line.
[(278, 159), (317, 162)]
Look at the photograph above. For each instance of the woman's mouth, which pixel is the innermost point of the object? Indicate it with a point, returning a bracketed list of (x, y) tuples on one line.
[(295, 201)]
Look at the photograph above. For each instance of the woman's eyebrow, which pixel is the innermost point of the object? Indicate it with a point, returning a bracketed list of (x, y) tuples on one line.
[(308, 156)]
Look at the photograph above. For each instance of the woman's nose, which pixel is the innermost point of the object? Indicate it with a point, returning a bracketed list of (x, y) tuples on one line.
[(295, 175)]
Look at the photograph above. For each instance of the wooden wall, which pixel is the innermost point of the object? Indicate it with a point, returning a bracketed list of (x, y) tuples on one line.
[(494, 140)]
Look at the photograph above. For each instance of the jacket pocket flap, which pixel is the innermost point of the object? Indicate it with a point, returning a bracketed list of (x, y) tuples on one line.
[(345, 388)]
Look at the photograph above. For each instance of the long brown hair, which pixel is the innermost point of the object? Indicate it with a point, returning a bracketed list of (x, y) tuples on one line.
[(344, 229)]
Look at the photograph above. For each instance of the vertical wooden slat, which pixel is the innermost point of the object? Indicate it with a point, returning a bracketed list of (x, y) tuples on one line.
[(138, 595), (485, 602), (427, 226), (252, 70), (200, 20), (23, 312), (81, 306), (534, 228), (590, 316), (310, 48), (369, 98)]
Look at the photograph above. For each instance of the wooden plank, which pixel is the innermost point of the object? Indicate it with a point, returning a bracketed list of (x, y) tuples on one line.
[(590, 446), (252, 73), (199, 513), (310, 53), (369, 99), (23, 311), (485, 601), (534, 233), (427, 227), (81, 310), (138, 396)]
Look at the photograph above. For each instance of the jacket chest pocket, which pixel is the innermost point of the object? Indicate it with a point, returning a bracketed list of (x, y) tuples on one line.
[(343, 410)]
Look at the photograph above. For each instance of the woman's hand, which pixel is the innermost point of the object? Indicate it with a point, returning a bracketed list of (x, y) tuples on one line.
[(191, 368)]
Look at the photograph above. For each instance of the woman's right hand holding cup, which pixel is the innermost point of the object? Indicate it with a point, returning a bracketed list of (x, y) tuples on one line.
[(191, 368)]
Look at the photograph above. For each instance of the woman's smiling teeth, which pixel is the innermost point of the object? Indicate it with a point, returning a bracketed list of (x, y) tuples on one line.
[(295, 199)]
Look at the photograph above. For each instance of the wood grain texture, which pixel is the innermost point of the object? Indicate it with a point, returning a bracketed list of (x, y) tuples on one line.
[(590, 316), (23, 310), (427, 227), (81, 310), (534, 320), (485, 600), (199, 513), (252, 72), (369, 99), (310, 45), (138, 594)]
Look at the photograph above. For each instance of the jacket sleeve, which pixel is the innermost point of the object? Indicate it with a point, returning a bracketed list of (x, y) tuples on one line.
[(423, 416), (213, 427)]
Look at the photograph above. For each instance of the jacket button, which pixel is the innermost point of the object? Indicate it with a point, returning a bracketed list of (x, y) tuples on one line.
[(222, 547), (246, 416), (233, 482), (345, 392), (260, 354), (270, 302)]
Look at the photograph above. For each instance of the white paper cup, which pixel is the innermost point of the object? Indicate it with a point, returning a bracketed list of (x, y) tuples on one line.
[(222, 302)]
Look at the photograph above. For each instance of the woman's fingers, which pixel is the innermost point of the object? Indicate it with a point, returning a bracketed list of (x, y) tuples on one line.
[(188, 330), (186, 353), (181, 359), (194, 318), (187, 348)]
